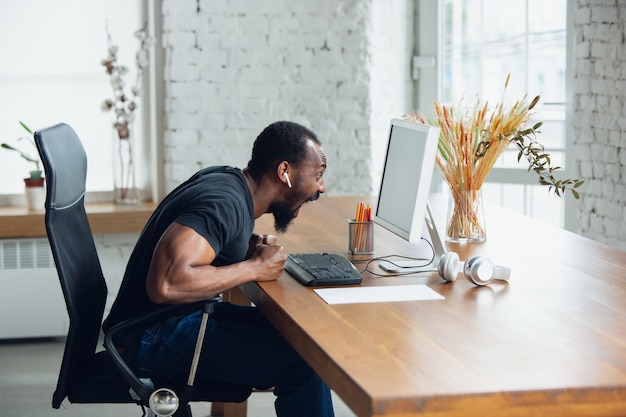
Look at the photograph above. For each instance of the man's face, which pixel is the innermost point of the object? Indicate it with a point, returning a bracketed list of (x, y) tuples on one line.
[(307, 184)]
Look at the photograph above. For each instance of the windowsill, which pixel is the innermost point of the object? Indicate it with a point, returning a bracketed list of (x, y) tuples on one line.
[(17, 221)]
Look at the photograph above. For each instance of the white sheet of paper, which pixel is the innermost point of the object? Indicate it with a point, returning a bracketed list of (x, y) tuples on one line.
[(350, 295)]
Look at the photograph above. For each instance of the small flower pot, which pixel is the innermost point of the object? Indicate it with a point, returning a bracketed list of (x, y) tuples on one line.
[(35, 193)]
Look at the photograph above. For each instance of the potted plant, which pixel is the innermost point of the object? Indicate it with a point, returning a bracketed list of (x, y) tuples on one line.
[(34, 183)]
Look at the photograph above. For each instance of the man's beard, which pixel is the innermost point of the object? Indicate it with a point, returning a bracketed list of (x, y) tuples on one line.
[(284, 214)]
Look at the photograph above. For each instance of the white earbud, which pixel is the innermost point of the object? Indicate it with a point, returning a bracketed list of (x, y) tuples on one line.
[(477, 269), (287, 178)]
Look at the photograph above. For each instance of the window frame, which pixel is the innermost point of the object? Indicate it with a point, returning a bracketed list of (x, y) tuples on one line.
[(428, 87), (152, 108)]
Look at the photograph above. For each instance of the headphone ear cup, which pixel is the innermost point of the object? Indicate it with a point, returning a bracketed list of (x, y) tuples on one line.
[(479, 270), (449, 266)]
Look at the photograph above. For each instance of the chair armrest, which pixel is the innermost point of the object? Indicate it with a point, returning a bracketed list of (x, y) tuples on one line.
[(142, 390)]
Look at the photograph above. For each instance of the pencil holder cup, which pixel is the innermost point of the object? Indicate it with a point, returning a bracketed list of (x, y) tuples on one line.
[(360, 237)]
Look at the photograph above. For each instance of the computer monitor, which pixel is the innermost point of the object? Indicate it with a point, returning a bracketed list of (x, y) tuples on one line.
[(407, 174)]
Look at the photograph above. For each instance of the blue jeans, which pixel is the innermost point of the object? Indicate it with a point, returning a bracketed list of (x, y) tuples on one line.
[(240, 346)]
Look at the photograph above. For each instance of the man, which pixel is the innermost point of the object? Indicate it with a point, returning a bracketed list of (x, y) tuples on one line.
[(198, 243)]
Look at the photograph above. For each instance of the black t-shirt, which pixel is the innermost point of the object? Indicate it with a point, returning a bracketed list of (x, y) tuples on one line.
[(217, 204)]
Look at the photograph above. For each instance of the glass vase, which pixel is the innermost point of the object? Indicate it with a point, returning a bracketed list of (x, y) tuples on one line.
[(466, 218), (125, 190)]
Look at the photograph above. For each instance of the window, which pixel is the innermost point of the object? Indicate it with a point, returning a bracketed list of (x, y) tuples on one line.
[(51, 73), (479, 43), (484, 40)]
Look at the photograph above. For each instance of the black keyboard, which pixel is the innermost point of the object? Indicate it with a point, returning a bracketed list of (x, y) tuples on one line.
[(317, 269)]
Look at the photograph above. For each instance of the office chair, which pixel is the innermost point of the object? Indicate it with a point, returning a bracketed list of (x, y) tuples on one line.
[(87, 376)]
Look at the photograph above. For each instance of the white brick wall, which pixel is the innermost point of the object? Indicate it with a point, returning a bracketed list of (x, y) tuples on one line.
[(341, 67), (232, 67), (599, 118)]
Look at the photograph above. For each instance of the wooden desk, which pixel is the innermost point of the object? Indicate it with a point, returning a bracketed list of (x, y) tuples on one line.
[(551, 342)]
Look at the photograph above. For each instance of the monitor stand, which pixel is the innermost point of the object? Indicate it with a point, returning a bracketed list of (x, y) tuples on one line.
[(417, 265)]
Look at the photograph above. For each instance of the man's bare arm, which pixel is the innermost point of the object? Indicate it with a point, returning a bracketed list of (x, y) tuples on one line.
[(181, 270)]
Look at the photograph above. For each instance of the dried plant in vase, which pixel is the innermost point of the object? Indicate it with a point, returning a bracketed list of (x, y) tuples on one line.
[(471, 142), (124, 105)]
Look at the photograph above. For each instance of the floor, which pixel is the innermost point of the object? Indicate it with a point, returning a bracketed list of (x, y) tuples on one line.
[(28, 374)]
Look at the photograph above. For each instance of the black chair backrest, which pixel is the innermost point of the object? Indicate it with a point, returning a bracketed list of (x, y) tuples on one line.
[(73, 248)]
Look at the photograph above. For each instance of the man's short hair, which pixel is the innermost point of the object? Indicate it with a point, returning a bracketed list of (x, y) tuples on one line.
[(280, 141)]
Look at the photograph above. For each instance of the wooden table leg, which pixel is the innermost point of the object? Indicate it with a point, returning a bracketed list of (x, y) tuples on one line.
[(217, 409), (235, 296)]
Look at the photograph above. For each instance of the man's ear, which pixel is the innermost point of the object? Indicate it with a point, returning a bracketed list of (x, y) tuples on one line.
[(283, 173)]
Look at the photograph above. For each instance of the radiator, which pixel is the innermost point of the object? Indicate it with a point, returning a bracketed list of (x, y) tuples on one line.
[(31, 300)]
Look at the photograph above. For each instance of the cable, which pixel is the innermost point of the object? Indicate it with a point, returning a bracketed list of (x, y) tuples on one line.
[(368, 262)]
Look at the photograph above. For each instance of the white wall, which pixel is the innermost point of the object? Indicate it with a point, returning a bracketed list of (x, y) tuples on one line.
[(599, 118), (391, 92), (339, 67), (114, 251)]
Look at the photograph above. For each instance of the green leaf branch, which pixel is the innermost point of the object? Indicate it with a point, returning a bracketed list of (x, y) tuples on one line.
[(35, 174), (539, 162)]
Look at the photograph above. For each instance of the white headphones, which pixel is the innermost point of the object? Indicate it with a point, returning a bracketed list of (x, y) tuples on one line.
[(477, 269), (287, 178)]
